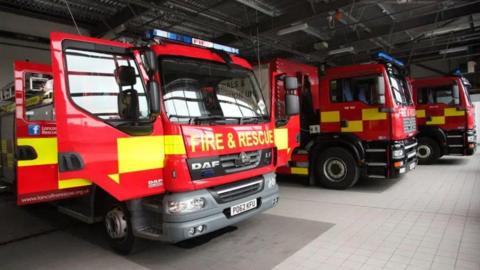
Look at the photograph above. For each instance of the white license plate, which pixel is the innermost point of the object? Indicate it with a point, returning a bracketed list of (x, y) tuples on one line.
[(243, 207), (412, 166)]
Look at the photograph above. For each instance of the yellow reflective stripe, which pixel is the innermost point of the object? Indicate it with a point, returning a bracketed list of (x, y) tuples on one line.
[(46, 149), (115, 178), (353, 126), (437, 120), (4, 146), (174, 145), (281, 138), (299, 170), (453, 112), (373, 114), (72, 183), (330, 117), (420, 113), (140, 153), (10, 161)]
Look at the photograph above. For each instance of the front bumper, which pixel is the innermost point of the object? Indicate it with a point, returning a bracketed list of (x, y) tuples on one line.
[(214, 216)]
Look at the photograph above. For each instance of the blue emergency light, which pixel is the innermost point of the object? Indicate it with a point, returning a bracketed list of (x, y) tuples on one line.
[(383, 56), (157, 33)]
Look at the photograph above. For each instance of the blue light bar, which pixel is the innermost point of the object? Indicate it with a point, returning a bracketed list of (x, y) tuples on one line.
[(457, 72), (157, 33), (383, 56)]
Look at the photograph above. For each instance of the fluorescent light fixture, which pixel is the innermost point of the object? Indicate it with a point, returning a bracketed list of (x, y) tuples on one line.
[(292, 29), (302, 27), (342, 50), (454, 50), (262, 7), (447, 30)]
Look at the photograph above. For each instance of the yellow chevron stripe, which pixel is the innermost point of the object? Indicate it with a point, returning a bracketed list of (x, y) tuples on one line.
[(373, 114), (72, 183), (353, 126), (281, 138), (330, 117), (453, 112), (46, 149)]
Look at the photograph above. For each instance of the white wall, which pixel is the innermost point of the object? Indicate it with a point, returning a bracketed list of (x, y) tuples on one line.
[(11, 49)]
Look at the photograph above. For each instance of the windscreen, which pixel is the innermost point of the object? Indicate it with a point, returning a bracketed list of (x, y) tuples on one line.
[(196, 91), (401, 91)]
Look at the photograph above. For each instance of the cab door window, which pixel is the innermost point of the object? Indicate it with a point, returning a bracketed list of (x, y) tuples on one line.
[(444, 94), (363, 89), (93, 86)]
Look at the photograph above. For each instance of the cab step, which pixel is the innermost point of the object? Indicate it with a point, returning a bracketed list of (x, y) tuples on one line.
[(152, 233)]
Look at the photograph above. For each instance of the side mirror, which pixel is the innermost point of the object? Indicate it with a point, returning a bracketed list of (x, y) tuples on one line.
[(381, 90), (456, 95), (292, 104), (291, 83), (154, 97), (150, 61)]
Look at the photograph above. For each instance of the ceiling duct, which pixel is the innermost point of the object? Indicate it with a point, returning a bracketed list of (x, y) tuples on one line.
[(342, 51)]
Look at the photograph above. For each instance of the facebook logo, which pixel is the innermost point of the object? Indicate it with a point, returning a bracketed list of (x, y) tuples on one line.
[(33, 129)]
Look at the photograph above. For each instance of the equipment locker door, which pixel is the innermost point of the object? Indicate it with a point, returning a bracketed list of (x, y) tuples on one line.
[(36, 152), (106, 135)]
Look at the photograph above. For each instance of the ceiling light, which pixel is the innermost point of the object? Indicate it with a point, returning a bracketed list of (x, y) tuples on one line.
[(261, 7), (342, 50), (454, 50)]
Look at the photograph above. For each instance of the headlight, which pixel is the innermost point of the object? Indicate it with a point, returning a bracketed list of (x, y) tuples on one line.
[(186, 206), (271, 182), (398, 153), (472, 138)]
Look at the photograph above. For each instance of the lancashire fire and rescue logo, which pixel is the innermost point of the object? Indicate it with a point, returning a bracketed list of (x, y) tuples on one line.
[(242, 159)]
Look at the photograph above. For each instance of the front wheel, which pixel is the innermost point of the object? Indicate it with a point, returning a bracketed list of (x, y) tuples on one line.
[(428, 151), (118, 229), (336, 168)]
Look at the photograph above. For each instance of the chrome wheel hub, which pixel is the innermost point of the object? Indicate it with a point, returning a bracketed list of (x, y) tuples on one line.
[(335, 169), (116, 224)]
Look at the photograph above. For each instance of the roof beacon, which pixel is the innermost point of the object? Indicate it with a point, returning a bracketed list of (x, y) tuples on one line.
[(383, 56), (157, 33)]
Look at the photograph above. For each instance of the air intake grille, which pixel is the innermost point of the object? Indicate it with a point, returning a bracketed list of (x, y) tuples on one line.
[(409, 124), (233, 163), (237, 190)]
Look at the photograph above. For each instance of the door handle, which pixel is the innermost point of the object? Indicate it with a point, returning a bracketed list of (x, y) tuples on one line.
[(26, 152), (70, 161), (344, 123), (429, 118)]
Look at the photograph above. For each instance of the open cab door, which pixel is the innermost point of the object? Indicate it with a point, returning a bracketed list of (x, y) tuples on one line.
[(106, 133)]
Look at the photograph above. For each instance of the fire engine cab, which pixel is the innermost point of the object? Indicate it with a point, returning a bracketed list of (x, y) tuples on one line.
[(445, 117), (165, 142), (355, 121)]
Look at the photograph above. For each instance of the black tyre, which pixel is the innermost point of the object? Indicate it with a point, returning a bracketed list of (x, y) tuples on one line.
[(336, 168), (118, 229), (428, 150)]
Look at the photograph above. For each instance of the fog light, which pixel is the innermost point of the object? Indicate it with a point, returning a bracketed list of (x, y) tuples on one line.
[(200, 229), (471, 138), (271, 182), (191, 231)]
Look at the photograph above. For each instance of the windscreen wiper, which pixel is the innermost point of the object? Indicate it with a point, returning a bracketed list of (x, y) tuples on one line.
[(214, 118), (252, 119)]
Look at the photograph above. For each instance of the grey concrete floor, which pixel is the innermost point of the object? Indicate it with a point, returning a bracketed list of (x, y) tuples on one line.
[(429, 219)]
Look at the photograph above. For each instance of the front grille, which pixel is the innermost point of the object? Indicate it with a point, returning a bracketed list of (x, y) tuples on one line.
[(409, 124), (233, 163), (238, 190)]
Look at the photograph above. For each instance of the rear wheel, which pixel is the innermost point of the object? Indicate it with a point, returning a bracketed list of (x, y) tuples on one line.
[(118, 229), (428, 150), (336, 168)]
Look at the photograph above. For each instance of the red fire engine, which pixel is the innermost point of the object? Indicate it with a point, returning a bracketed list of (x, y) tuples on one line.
[(445, 117), (355, 121), (95, 134)]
